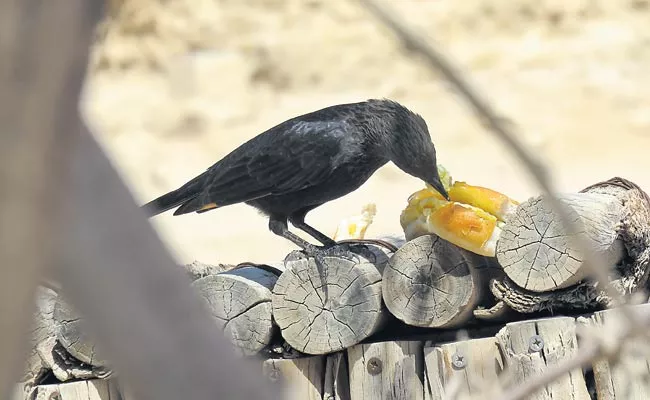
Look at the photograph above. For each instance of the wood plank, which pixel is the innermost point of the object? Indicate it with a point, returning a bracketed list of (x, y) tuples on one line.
[(388, 370), (529, 347), (628, 377), (300, 378), (94, 389), (474, 365), (337, 380)]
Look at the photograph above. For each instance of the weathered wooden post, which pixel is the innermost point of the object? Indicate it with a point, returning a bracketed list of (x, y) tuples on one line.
[(387, 370), (529, 347)]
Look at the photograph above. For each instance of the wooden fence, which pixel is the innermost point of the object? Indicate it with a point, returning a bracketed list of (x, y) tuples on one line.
[(427, 369)]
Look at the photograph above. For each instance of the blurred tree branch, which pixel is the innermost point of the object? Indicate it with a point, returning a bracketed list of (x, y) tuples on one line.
[(62, 205), (43, 56)]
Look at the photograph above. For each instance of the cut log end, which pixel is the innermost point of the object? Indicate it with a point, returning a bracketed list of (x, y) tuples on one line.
[(536, 251), (72, 336), (430, 282), (318, 318), (240, 302)]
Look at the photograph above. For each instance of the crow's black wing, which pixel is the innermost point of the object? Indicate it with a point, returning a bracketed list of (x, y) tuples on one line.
[(289, 158)]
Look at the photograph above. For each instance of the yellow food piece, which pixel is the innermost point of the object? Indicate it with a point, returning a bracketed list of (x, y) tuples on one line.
[(472, 219), (486, 199), (355, 227)]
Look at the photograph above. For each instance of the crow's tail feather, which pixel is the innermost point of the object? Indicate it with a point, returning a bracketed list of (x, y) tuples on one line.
[(175, 198)]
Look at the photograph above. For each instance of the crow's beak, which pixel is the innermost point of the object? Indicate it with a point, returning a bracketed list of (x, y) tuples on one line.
[(436, 184)]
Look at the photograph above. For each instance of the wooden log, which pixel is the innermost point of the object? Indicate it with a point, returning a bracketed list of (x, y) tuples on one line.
[(626, 377), (197, 270), (387, 370), (474, 365), (582, 297), (529, 347), (319, 318), (300, 378), (94, 389), (536, 251), (73, 337), (430, 282), (240, 302)]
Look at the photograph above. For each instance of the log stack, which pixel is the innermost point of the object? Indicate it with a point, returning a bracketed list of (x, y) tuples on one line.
[(343, 325)]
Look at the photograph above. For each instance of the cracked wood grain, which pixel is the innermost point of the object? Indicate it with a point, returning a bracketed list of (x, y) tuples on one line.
[(386, 371), (559, 343), (536, 252), (318, 321), (301, 378), (72, 335), (240, 302), (430, 282), (481, 365)]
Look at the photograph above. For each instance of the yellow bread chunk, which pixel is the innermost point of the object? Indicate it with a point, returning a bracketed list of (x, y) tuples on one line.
[(486, 199), (472, 219), (355, 227)]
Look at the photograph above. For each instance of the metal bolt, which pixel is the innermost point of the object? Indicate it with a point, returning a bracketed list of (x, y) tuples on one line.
[(374, 366), (536, 343), (458, 360)]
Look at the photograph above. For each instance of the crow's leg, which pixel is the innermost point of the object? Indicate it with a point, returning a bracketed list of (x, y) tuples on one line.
[(278, 225), (297, 219)]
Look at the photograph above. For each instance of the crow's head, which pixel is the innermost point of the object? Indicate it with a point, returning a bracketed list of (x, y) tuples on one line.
[(411, 149)]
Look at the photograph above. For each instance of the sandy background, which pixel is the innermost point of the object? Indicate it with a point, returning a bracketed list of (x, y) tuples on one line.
[(177, 84)]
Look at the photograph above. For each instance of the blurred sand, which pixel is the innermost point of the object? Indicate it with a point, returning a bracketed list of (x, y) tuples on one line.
[(175, 85)]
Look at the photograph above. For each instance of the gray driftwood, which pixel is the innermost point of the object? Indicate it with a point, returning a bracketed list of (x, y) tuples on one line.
[(538, 254), (387, 370), (465, 368), (301, 378), (317, 318), (240, 302), (529, 347), (430, 282), (72, 335)]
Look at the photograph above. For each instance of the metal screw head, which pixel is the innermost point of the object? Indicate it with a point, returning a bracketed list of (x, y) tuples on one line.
[(374, 366), (535, 343), (458, 360)]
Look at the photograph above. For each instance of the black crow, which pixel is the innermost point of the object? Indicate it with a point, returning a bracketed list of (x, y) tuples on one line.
[(309, 160)]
